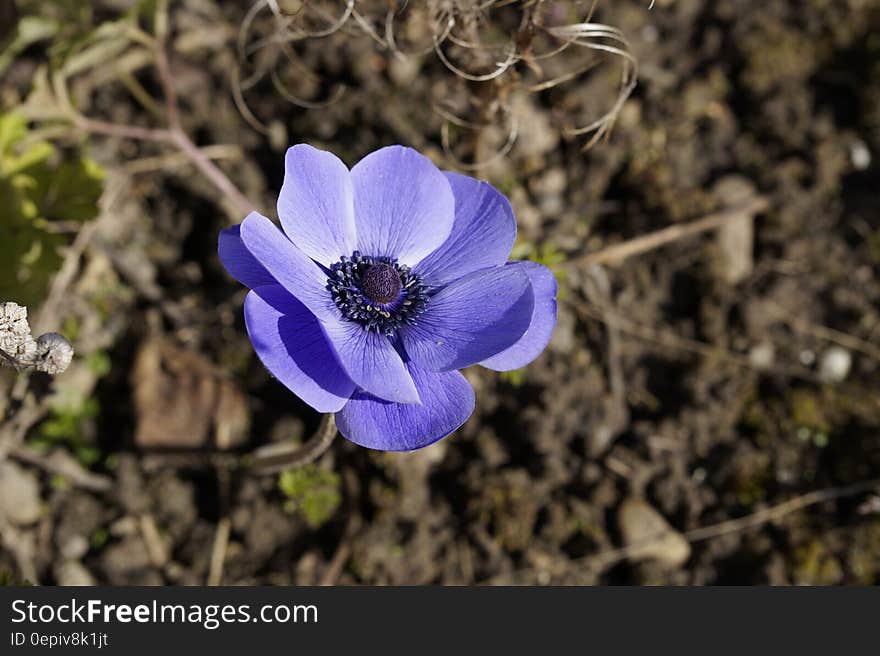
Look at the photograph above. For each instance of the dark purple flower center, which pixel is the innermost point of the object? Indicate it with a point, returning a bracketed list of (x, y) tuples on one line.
[(382, 283), (376, 292)]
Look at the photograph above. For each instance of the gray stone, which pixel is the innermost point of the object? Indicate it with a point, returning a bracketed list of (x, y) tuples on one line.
[(835, 364), (72, 572), (19, 494), (649, 536)]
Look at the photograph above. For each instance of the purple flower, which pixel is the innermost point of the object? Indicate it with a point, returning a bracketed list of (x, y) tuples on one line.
[(385, 281)]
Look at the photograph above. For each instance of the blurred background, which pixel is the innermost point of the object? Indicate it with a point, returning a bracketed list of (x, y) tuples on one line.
[(708, 411)]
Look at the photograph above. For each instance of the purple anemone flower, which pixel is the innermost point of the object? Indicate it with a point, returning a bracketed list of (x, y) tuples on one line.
[(385, 281)]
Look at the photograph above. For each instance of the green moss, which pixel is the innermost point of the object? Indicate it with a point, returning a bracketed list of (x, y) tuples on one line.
[(99, 538), (751, 486), (838, 419), (312, 492), (70, 423), (815, 565), (547, 254), (515, 377), (39, 185), (808, 411), (863, 557), (805, 414), (99, 363)]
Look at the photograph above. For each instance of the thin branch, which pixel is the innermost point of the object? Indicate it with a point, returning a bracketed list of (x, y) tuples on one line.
[(174, 134), (613, 255), (163, 67), (780, 510), (156, 547), (121, 131), (265, 460), (605, 559), (274, 458), (668, 339), (61, 282), (218, 552), (177, 138), (212, 172), (826, 333), (67, 468)]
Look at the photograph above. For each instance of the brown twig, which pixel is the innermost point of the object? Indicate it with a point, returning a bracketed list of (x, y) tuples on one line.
[(121, 131), (69, 469), (47, 317), (211, 171), (163, 67), (156, 547), (178, 138), (174, 134), (604, 559), (828, 334), (342, 554), (607, 558), (13, 430), (265, 460), (275, 458), (218, 552), (669, 339), (613, 255), (780, 510), (352, 526)]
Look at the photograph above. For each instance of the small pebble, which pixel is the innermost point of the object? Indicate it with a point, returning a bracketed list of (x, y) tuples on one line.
[(19, 494), (75, 547), (859, 155), (762, 355), (73, 573), (835, 365), (650, 535)]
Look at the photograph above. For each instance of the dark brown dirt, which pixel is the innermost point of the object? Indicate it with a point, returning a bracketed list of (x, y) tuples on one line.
[(705, 397)]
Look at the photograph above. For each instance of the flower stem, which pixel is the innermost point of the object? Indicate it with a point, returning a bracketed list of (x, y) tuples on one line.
[(211, 171)]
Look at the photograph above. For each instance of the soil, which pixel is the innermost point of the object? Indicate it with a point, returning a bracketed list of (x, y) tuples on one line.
[(703, 381)]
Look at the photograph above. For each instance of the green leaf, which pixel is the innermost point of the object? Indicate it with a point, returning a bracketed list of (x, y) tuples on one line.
[(17, 156), (38, 185), (313, 492), (70, 192)]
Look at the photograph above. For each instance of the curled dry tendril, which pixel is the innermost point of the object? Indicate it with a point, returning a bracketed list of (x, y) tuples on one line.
[(460, 35)]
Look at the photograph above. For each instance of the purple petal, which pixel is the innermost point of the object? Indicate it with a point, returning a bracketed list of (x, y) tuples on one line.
[(403, 205), (482, 235), (288, 265), (289, 341), (540, 329), (316, 204), (470, 320), (239, 262), (447, 402), (372, 362), (369, 359)]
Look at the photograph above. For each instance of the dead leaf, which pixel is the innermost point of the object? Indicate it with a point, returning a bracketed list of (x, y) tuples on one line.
[(184, 402)]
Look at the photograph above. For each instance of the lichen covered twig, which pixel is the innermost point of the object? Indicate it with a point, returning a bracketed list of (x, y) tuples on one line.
[(50, 353)]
